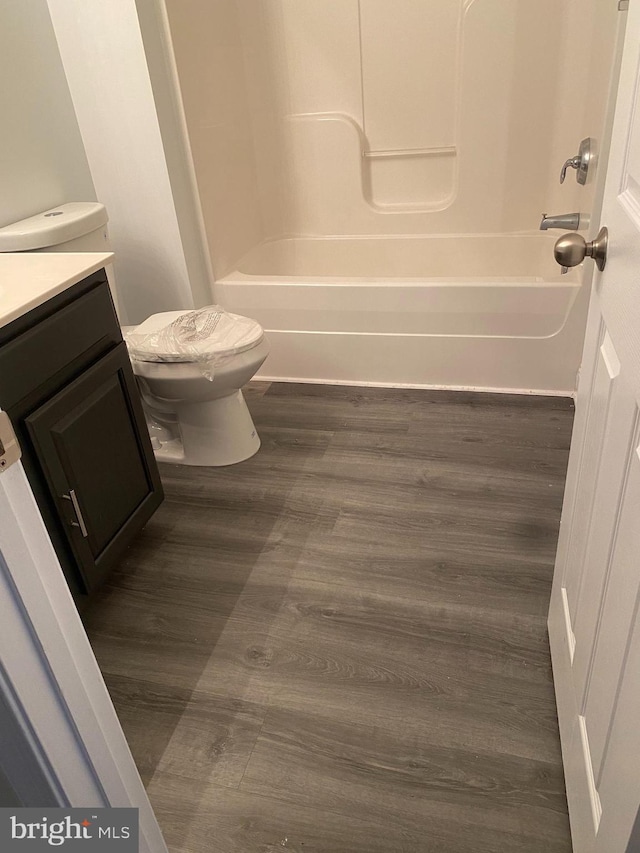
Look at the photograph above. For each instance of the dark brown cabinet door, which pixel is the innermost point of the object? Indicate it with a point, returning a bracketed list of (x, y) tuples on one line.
[(92, 444)]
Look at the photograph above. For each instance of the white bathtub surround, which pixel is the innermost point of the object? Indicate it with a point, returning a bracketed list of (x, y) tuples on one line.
[(339, 144), (358, 117), (481, 311)]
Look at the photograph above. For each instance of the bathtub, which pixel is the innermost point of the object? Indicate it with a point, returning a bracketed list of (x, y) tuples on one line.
[(486, 312)]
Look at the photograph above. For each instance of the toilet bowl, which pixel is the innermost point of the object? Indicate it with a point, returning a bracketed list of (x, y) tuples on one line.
[(196, 415)]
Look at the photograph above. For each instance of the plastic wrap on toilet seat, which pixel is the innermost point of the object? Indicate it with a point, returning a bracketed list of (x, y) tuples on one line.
[(207, 337)]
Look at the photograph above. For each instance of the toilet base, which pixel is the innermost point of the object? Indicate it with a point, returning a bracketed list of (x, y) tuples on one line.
[(219, 432)]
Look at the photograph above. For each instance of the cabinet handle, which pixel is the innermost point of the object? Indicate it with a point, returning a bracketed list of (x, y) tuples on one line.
[(76, 506)]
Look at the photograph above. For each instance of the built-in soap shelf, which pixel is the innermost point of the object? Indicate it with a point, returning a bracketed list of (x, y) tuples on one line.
[(331, 152), (410, 179)]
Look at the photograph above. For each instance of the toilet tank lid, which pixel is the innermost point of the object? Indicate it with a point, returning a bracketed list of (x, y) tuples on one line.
[(54, 226)]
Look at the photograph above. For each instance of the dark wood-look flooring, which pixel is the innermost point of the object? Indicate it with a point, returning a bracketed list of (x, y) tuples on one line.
[(339, 646)]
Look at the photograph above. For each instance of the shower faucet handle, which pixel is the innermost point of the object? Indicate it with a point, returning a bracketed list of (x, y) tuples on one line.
[(573, 163), (580, 162)]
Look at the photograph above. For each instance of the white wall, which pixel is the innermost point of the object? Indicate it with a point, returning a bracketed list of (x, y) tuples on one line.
[(158, 47), (42, 160), (104, 60)]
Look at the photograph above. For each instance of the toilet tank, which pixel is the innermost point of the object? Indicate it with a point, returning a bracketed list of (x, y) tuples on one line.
[(72, 227), (78, 226)]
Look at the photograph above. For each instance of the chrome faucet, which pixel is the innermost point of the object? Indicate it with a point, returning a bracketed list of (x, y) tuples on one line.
[(564, 221)]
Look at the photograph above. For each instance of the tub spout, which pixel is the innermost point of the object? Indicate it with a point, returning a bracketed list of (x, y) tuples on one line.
[(564, 221)]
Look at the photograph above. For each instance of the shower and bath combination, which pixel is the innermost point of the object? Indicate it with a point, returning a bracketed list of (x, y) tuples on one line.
[(372, 182)]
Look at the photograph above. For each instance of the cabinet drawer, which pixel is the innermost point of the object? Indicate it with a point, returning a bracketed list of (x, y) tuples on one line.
[(40, 352)]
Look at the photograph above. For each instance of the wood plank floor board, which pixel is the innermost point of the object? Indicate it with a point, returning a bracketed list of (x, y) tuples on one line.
[(359, 455), (172, 642), (340, 644), (213, 740), (355, 461), (437, 528), (161, 705), (245, 823), (352, 769), (309, 657), (531, 463), (419, 397), (491, 429), (331, 416), (187, 571), (198, 736), (446, 574), (490, 640), (446, 493)]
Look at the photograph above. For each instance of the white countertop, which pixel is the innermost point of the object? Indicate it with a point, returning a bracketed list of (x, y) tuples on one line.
[(27, 279)]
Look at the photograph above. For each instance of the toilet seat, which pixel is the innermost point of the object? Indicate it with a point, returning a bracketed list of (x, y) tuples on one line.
[(217, 336), (181, 371)]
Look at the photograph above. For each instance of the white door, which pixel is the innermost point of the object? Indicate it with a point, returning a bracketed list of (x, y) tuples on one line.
[(50, 678), (594, 623)]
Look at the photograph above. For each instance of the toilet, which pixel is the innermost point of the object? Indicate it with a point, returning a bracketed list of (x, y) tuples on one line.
[(195, 409), (193, 402)]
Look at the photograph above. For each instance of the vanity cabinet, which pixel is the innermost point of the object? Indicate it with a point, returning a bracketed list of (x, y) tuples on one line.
[(68, 387)]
